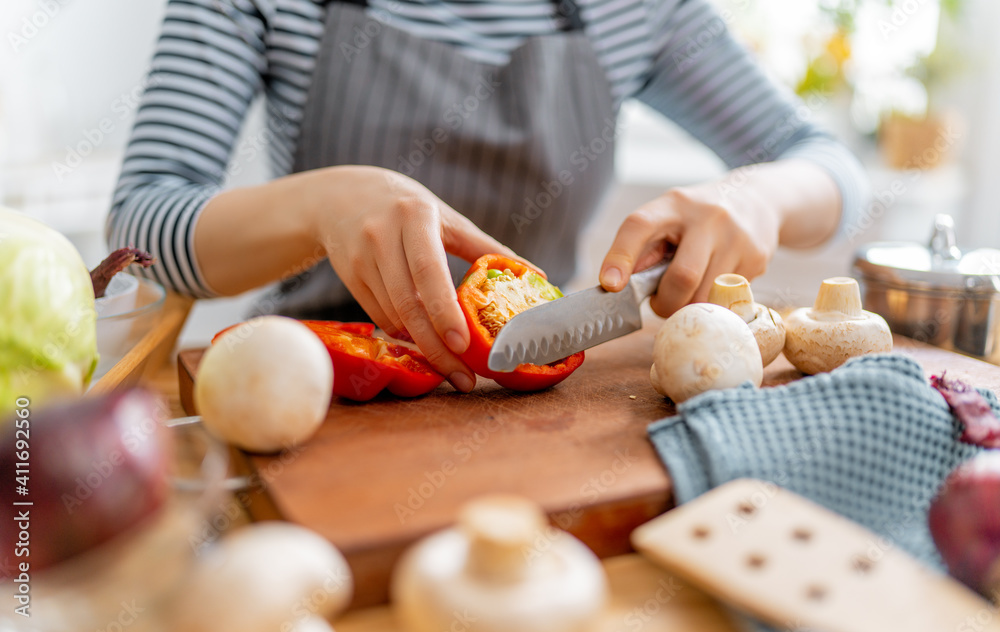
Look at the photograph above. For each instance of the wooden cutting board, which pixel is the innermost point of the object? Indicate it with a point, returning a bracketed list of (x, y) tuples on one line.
[(379, 475)]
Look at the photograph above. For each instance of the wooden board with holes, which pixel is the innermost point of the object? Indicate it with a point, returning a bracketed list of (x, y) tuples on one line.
[(797, 565), (379, 475)]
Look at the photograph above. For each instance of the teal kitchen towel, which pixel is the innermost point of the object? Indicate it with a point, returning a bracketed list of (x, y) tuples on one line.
[(872, 441)]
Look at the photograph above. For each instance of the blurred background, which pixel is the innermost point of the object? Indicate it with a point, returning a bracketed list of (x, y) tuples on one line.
[(912, 86)]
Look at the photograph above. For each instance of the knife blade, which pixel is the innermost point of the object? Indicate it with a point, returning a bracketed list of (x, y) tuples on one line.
[(558, 329)]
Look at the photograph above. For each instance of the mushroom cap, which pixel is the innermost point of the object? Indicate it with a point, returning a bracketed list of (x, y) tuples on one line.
[(769, 331), (266, 386), (654, 379), (704, 346), (559, 584), (815, 345), (834, 329), (255, 577)]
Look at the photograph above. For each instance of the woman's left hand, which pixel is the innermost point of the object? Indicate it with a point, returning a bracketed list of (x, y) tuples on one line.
[(732, 225), (716, 230)]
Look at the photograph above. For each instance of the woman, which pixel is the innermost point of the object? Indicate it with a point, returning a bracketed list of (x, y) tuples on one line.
[(408, 129)]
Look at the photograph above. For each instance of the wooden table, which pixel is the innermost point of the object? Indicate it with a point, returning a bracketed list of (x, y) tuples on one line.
[(378, 476)]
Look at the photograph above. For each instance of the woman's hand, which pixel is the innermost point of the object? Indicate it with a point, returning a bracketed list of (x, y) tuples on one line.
[(733, 225), (386, 235), (712, 234)]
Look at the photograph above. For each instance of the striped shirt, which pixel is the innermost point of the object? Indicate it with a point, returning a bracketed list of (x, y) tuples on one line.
[(214, 56)]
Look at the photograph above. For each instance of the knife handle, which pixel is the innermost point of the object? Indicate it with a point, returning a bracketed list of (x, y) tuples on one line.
[(644, 283)]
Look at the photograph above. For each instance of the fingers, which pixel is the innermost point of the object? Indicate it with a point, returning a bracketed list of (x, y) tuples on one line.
[(462, 238), (640, 241), (373, 307), (722, 262), (428, 266), (711, 239), (410, 309), (684, 278), (407, 256)]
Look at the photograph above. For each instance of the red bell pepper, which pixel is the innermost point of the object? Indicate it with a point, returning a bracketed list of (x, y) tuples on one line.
[(364, 365), (494, 290)]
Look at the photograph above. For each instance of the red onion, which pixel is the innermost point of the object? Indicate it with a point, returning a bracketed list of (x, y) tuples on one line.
[(94, 468), (979, 425), (964, 520)]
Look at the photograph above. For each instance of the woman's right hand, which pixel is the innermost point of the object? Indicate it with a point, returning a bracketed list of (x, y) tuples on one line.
[(386, 236)]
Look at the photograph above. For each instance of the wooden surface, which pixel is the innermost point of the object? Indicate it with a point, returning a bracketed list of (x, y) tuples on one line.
[(379, 475), (643, 596), (795, 564), (152, 350)]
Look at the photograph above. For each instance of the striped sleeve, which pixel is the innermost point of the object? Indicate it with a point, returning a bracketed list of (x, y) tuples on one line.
[(706, 82), (207, 68)]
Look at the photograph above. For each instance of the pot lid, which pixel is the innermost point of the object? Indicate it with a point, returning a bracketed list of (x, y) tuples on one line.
[(941, 265)]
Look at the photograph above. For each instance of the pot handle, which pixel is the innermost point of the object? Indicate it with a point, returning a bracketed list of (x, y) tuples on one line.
[(944, 246)]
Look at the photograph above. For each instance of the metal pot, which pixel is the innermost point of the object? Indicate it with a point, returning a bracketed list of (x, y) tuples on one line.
[(937, 293)]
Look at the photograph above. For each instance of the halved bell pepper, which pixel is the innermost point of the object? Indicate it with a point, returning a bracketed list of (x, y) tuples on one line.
[(365, 365), (495, 289)]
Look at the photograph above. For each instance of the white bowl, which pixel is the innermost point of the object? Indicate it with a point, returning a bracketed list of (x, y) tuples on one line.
[(124, 315), (120, 296)]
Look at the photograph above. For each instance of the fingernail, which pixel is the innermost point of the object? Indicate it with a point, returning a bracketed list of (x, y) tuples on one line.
[(461, 381), (455, 341), (612, 277)]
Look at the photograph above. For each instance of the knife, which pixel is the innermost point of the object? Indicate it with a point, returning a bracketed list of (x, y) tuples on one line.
[(558, 329)]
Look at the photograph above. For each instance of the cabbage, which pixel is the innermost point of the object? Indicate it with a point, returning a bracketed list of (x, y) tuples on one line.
[(48, 325)]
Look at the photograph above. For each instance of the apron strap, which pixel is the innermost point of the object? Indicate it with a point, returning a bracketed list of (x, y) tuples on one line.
[(567, 10)]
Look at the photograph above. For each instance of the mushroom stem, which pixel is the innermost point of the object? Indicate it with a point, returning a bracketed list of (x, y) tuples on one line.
[(732, 291), (839, 295), (501, 531)]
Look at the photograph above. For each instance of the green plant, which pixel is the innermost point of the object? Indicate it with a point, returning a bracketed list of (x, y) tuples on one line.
[(825, 69)]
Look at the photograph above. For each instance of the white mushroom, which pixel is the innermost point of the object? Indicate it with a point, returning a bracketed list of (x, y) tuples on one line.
[(265, 385), (501, 568), (654, 379), (732, 291), (264, 577), (312, 624), (822, 337), (702, 347)]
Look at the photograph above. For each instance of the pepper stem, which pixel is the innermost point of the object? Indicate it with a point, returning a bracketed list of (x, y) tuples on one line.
[(839, 294), (501, 530), (732, 291)]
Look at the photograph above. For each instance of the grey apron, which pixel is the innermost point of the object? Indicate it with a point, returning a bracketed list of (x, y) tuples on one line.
[(525, 150)]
